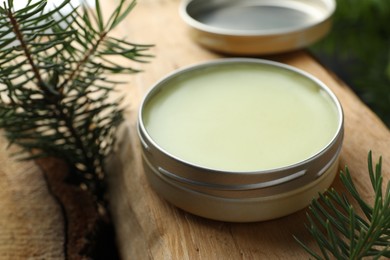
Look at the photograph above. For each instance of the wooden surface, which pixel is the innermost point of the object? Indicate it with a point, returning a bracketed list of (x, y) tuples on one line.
[(31, 223), (150, 228)]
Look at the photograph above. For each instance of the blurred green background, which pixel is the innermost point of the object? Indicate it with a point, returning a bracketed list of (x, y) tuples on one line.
[(358, 51)]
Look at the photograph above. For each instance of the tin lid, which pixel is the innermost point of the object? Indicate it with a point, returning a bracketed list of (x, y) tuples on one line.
[(257, 26)]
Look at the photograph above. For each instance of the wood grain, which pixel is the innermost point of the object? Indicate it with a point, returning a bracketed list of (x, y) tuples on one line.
[(31, 223), (150, 228)]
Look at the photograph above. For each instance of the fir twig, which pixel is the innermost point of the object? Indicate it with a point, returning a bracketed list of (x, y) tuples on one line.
[(54, 84), (344, 232)]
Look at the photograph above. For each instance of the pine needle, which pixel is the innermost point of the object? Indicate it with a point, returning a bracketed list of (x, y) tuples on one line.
[(340, 230), (55, 86)]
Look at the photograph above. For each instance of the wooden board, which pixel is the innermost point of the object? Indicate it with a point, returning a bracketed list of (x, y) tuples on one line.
[(149, 227), (31, 222)]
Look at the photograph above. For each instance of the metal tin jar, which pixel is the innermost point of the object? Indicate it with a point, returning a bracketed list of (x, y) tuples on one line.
[(256, 27), (239, 194)]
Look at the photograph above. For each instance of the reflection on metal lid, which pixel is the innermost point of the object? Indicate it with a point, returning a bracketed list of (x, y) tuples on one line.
[(246, 23)]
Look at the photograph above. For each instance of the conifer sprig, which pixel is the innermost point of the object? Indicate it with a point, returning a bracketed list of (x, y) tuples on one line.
[(55, 89), (343, 231)]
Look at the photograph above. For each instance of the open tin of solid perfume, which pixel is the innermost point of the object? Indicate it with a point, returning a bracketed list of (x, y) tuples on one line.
[(240, 139), (256, 27)]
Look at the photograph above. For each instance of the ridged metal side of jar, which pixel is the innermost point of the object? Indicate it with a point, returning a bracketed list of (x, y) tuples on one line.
[(239, 196)]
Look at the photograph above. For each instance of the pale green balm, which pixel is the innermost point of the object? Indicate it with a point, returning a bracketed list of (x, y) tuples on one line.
[(241, 118)]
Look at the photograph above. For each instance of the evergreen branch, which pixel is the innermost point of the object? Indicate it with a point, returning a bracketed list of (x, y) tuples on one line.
[(341, 231), (119, 14), (55, 87), (19, 36), (75, 73)]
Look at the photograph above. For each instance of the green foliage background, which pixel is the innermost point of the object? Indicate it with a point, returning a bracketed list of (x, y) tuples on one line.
[(358, 50)]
